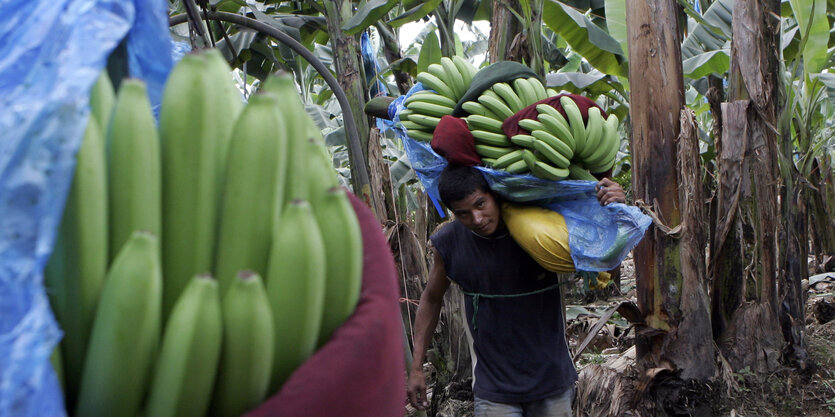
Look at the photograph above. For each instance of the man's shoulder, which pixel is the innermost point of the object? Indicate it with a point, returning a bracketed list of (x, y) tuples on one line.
[(445, 230)]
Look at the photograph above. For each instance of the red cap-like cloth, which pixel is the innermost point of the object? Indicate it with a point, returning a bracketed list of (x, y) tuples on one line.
[(511, 128), (452, 140), (360, 371)]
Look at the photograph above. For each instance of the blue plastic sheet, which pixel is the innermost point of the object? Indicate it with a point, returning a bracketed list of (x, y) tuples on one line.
[(51, 53), (592, 229)]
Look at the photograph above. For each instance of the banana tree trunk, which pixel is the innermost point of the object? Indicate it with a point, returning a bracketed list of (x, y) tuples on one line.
[(514, 40), (350, 75), (745, 306), (666, 176), (391, 48)]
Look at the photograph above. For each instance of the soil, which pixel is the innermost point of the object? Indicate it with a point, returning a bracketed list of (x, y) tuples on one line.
[(784, 393)]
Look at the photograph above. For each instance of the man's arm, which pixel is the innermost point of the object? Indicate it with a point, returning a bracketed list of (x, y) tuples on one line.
[(426, 319)]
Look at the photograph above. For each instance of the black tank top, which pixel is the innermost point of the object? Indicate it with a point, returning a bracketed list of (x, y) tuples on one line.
[(517, 330)]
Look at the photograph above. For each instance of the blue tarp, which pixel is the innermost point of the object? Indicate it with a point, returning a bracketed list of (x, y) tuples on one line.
[(51, 53)]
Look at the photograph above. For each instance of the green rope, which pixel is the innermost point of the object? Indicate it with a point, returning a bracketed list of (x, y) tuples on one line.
[(476, 296)]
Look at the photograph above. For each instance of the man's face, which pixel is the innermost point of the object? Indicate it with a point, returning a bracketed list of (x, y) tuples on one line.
[(479, 212)]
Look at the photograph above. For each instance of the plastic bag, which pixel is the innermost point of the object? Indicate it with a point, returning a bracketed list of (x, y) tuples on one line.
[(52, 51), (600, 237)]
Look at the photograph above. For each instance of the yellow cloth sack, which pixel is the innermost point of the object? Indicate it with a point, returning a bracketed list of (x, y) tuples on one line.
[(542, 233)]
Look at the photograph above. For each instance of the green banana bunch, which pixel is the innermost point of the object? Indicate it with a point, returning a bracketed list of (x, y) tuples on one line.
[(125, 334), (188, 359), (423, 112), (76, 271), (343, 259), (254, 175), (133, 167), (190, 148), (296, 288), (603, 159), (247, 354)]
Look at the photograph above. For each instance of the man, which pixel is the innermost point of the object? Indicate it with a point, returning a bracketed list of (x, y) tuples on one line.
[(522, 365)]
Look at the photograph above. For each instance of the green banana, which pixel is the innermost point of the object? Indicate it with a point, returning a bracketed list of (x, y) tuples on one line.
[(612, 143), (531, 125), (529, 158), (525, 92), (227, 101), (295, 287), (78, 265), (102, 98), (553, 142), (518, 167), (484, 123), (343, 259), (134, 167), (424, 120), (551, 92), (188, 358), (427, 96), (509, 96), (404, 114), (550, 154), (525, 141), (474, 107), (489, 162), (496, 105), (410, 125), (298, 130), (455, 77), (466, 69), (608, 141), (489, 138), (548, 172), (594, 131), (57, 362), (321, 175), (435, 83), (509, 158), (557, 128), (577, 172), (419, 135), (538, 88), (125, 333), (247, 354), (575, 122), (257, 153), (429, 109), (190, 146), (492, 151)]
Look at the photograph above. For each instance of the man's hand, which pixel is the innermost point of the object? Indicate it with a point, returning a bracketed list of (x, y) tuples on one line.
[(416, 389), (609, 191)]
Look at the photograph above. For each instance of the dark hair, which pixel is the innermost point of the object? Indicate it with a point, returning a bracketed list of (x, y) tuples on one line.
[(457, 182)]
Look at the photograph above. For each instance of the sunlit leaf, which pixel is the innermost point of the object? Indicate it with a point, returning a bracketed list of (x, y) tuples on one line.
[(702, 65), (369, 13)]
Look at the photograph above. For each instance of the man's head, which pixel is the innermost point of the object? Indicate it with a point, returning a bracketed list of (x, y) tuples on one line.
[(465, 191)]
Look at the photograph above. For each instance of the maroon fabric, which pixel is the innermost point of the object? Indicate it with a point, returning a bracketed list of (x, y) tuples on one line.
[(511, 124), (361, 370), (452, 140)]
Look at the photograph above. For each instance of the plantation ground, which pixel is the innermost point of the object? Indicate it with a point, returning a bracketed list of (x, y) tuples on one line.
[(785, 393)]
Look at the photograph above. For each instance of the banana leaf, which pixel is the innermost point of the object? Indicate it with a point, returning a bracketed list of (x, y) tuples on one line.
[(814, 32), (593, 43), (616, 23), (414, 14), (714, 31), (828, 80), (430, 52), (369, 13), (714, 62)]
